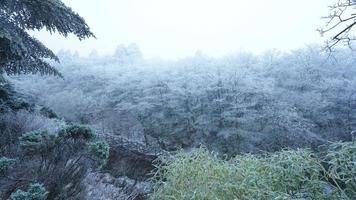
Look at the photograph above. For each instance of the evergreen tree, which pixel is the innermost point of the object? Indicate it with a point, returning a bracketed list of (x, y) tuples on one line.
[(21, 53)]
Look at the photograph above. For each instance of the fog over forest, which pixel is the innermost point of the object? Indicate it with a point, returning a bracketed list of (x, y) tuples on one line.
[(238, 103), (152, 120)]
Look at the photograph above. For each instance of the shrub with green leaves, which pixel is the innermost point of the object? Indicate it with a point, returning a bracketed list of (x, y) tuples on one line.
[(35, 192), (292, 174), (5, 163), (59, 161), (77, 131), (100, 150), (33, 141), (341, 166)]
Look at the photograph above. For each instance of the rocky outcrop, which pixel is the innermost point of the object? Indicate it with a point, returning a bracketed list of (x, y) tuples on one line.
[(131, 159), (103, 186), (131, 151)]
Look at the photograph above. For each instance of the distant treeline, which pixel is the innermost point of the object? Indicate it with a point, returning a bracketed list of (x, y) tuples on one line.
[(238, 103)]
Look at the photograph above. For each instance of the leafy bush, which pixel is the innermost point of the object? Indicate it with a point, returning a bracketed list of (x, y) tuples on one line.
[(341, 166), (47, 112), (289, 174), (59, 161), (5, 163), (77, 132), (35, 192), (100, 150), (32, 142)]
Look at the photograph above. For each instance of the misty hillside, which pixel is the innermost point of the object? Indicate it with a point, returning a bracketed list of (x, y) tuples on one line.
[(265, 110), (239, 103), (243, 103)]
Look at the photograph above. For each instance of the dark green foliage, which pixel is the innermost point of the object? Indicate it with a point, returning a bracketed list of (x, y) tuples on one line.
[(24, 50), (47, 112), (77, 132), (35, 192), (100, 150), (59, 161), (33, 142), (19, 52), (3, 94), (50, 14), (11, 100), (5, 163)]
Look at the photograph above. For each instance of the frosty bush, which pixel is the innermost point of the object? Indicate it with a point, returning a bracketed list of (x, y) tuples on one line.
[(291, 174), (34, 192), (59, 161)]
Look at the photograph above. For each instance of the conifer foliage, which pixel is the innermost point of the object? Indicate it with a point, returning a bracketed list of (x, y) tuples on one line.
[(21, 53)]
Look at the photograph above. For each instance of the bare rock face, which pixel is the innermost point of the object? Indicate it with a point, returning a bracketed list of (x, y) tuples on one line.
[(127, 158), (103, 186), (131, 151), (130, 160)]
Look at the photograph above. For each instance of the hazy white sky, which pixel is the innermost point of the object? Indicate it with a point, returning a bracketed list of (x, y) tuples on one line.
[(178, 28)]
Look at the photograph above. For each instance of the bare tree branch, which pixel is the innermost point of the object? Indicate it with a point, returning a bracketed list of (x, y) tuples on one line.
[(340, 22)]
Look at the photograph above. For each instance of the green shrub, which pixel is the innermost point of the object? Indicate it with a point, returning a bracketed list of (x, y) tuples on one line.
[(100, 150), (59, 161), (35, 192), (33, 142), (47, 112), (341, 166), (297, 174), (76, 131), (5, 163)]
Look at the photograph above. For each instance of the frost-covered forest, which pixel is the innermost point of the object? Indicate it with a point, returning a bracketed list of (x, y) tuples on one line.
[(238, 103), (136, 125)]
